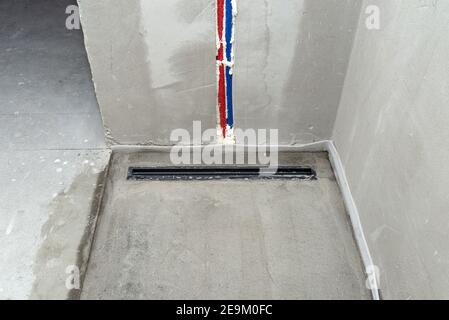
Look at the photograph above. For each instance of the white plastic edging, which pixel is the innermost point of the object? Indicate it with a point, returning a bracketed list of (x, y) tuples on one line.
[(353, 213)]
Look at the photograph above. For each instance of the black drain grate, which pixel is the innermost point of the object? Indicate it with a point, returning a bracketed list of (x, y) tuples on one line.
[(217, 173)]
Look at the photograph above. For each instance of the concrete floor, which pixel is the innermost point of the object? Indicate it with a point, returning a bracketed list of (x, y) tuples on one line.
[(52, 149), (239, 239), (281, 239)]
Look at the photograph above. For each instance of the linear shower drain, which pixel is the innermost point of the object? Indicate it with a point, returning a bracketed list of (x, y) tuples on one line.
[(217, 173)]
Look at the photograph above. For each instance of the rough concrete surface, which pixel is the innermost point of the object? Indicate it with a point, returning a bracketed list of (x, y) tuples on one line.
[(45, 208), (155, 70), (223, 239), (53, 149), (47, 98), (291, 61), (392, 134)]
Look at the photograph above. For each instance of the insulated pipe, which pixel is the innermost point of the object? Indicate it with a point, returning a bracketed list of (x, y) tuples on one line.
[(226, 13)]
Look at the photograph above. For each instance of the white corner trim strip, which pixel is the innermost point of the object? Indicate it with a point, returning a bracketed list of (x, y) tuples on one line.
[(353, 212)]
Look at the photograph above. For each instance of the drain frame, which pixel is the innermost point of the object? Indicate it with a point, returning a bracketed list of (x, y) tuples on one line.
[(202, 173)]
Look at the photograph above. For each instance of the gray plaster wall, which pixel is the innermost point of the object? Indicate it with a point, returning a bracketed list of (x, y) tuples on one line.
[(153, 65), (392, 133), (291, 61)]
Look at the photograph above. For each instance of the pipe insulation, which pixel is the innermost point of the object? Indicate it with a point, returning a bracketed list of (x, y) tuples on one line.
[(226, 16)]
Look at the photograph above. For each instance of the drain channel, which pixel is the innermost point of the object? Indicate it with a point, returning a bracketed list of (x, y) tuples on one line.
[(218, 173)]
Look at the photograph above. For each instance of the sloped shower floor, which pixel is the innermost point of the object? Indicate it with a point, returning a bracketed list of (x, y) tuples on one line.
[(280, 239)]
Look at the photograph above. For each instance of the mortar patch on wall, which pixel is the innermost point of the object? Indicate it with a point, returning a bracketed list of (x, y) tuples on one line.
[(226, 15)]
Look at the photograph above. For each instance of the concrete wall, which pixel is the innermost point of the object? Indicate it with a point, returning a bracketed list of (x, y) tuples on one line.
[(291, 61), (153, 64), (392, 133)]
